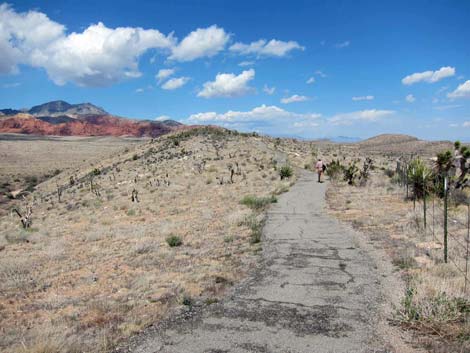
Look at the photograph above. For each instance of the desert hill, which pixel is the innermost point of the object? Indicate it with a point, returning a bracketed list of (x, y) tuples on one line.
[(94, 263), (401, 144), (63, 119)]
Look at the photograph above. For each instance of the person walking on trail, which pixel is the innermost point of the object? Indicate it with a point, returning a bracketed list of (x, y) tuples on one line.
[(320, 167)]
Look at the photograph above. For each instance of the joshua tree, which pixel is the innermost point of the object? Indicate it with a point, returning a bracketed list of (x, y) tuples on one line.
[(135, 195), (25, 218), (350, 173)]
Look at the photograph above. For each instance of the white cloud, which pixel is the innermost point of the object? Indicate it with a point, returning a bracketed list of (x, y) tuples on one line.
[(320, 73), (269, 90), (410, 98), (466, 124), (203, 42), (370, 115), (261, 47), (343, 44), (311, 80), (228, 85), (140, 90), (98, 56), (294, 99), (362, 98), (246, 63), (175, 83), (163, 74), (429, 76), (261, 113), (462, 91)]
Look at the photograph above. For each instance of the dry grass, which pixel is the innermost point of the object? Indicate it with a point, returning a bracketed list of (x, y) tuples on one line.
[(436, 304), (28, 160), (96, 269)]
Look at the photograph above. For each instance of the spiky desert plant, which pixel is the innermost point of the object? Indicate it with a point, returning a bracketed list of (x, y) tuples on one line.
[(350, 173), (420, 177)]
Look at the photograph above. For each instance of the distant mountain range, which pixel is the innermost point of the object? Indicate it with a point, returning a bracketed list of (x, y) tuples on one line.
[(85, 119)]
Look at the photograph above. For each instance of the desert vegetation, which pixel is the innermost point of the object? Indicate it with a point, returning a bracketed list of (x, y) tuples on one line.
[(119, 243), (400, 204)]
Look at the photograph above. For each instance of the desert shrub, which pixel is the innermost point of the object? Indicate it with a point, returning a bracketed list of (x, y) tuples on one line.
[(334, 169), (389, 172), (256, 227), (135, 157), (350, 173), (364, 174), (174, 240), (257, 203), (433, 310), (459, 197), (187, 300), (96, 171), (285, 172)]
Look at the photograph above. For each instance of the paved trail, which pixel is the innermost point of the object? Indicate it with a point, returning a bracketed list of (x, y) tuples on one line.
[(315, 292)]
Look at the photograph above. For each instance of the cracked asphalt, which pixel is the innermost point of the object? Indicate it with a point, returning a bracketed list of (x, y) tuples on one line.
[(316, 291)]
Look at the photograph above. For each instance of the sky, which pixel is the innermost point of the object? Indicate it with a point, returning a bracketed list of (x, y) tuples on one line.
[(310, 69)]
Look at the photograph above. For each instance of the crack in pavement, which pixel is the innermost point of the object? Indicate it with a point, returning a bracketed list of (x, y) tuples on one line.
[(315, 291)]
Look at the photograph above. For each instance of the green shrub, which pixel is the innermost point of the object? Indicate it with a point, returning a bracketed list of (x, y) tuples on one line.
[(285, 172), (174, 240), (256, 227), (187, 300), (334, 170), (257, 203)]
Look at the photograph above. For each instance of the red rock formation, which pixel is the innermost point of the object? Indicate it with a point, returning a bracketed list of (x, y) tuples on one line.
[(86, 125)]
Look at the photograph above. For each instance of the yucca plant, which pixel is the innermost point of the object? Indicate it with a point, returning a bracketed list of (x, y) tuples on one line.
[(420, 178)]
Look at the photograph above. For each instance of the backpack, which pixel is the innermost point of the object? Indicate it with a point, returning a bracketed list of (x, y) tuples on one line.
[(324, 167)]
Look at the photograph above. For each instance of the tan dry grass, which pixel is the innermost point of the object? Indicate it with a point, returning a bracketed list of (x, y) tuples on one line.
[(98, 269)]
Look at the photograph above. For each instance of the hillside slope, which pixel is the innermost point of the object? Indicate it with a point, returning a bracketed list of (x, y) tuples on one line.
[(96, 267)]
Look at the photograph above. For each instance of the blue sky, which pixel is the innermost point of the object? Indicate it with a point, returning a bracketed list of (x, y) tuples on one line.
[(304, 68)]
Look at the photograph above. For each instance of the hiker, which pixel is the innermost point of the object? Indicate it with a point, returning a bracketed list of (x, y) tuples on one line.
[(320, 167)]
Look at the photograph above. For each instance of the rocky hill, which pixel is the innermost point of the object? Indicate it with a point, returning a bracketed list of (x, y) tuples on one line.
[(401, 144), (63, 119)]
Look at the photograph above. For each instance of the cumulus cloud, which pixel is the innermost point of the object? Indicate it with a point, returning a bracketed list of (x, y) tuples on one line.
[(163, 74), (262, 47), (410, 98), (462, 91), (429, 76), (175, 83), (311, 80), (228, 85), (261, 113), (362, 98), (269, 90), (370, 115), (466, 124), (98, 56), (203, 42), (294, 99)]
